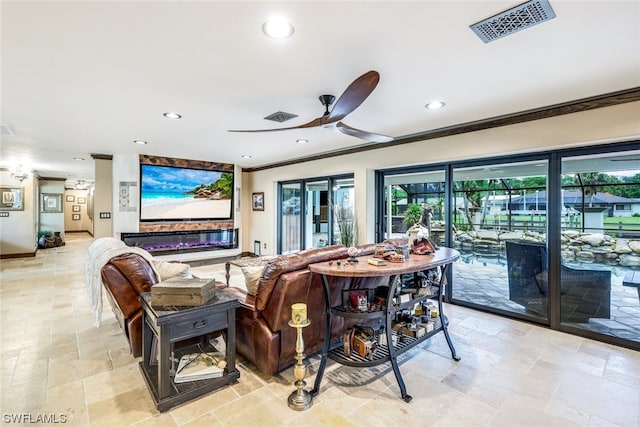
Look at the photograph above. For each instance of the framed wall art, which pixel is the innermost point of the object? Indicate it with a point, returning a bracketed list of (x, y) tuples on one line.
[(70, 198), (257, 201), (51, 203), (82, 200), (75, 208), (11, 199), (75, 217)]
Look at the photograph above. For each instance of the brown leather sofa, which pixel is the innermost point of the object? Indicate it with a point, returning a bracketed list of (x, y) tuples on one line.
[(263, 335), (125, 278)]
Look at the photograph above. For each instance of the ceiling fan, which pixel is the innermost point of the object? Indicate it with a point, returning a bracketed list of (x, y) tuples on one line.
[(351, 98)]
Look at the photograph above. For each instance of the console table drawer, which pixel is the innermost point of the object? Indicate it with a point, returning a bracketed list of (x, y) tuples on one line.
[(199, 326)]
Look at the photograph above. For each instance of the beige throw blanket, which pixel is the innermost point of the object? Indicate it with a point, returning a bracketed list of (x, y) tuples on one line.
[(100, 252)]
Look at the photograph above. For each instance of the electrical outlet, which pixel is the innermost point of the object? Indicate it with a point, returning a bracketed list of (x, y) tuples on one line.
[(265, 246)]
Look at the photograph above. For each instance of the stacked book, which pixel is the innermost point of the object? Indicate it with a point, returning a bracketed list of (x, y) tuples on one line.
[(201, 365)]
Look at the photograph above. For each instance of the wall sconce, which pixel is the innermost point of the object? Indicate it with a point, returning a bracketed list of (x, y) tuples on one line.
[(81, 185), (19, 173)]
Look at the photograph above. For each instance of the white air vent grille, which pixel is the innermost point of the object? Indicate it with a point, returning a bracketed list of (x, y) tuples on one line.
[(280, 116), (513, 20)]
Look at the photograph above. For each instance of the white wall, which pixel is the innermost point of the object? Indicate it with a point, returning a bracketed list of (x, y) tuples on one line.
[(603, 125), (84, 223), (52, 221), (126, 168), (18, 231)]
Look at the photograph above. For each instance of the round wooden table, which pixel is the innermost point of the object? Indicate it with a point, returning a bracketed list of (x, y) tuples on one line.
[(440, 260)]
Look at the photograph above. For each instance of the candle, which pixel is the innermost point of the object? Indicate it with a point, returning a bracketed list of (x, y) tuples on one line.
[(299, 313)]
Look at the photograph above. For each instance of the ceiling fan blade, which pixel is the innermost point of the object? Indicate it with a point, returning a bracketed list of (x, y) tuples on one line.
[(313, 123), (354, 95), (351, 98), (362, 134)]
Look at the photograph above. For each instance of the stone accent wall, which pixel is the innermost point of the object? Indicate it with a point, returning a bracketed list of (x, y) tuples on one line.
[(594, 247), (185, 163)]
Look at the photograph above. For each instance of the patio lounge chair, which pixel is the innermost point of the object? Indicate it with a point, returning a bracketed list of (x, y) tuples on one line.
[(584, 294)]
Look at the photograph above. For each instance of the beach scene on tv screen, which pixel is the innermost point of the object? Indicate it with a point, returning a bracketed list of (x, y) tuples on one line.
[(181, 193)]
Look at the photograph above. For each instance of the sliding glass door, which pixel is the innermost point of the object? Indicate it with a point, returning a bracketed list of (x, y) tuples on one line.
[(290, 218), (499, 225), (404, 191), (315, 213), (601, 243), (316, 221), (551, 237)]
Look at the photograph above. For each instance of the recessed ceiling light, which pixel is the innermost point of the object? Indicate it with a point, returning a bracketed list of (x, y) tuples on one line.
[(302, 141), (78, 158), (139, 141), (435, 105), (172, 115), (277, 28), (245, 156)]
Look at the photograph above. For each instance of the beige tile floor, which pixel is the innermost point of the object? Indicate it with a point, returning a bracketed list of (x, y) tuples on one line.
[(55, 366)]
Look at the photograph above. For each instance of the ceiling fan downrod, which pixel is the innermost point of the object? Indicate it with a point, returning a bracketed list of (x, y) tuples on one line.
[(327, 100)]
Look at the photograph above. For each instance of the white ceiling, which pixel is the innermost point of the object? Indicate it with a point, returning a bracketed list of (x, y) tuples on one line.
[(90, 77)]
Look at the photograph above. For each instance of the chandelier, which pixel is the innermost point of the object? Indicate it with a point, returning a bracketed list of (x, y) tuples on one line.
[(19, 173)]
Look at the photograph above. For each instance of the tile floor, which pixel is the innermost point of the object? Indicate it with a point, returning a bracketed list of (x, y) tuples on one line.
[(55, 366)]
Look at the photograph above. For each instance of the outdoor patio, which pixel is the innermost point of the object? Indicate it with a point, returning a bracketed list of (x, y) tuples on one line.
[(483, 280)]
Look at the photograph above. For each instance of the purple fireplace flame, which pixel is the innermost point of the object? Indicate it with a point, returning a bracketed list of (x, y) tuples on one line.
[(183, 241)]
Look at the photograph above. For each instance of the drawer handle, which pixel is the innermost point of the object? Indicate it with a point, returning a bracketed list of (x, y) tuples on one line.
[(200, 324)]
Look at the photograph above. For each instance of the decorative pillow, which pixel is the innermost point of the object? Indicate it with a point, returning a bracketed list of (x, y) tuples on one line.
[(167, 270), (252, 275)]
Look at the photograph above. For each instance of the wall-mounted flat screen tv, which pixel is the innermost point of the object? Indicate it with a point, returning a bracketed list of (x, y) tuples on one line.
[(170, 193)]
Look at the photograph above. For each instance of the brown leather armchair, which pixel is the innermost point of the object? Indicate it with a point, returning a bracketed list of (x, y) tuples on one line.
[(125, 278)]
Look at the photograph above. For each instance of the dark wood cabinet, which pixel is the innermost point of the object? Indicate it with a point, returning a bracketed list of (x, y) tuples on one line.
[(170, 332)]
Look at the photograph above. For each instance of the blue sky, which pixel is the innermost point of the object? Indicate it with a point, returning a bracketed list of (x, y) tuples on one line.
[(162, 178)]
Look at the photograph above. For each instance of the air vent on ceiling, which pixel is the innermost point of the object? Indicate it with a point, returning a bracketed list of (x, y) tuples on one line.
[(280, 116), (5, 130), (513, 20)]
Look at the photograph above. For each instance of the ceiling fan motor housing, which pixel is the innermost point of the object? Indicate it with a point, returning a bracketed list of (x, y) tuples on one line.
[(327, 100)]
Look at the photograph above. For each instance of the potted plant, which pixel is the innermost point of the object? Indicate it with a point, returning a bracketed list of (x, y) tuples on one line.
[(413, 215), (412, 219), (347, 225)]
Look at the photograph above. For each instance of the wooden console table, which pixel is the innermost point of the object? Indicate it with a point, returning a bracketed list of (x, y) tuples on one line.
[(174, 324), (440, 260)]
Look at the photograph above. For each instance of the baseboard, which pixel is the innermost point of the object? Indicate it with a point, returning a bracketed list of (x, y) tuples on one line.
[(25, 255)]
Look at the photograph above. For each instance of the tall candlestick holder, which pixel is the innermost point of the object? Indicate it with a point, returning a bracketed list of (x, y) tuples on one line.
[(300, 399)]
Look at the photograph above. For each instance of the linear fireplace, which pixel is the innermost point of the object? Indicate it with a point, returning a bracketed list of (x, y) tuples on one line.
[(166, 242)]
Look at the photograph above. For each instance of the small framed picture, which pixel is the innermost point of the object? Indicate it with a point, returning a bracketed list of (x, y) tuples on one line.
[(257, 201), (75, 217), (12, 199), (70, 198), (75, 208), (51, 203), (82, 200)]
